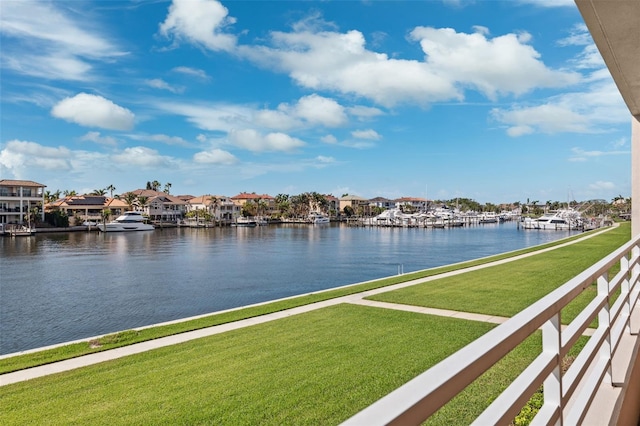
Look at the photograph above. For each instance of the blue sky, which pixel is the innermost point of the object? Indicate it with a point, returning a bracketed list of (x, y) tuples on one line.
[(498, 101)]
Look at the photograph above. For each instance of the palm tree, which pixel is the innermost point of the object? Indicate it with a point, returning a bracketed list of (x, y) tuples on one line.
[(130, 199), (34, 216), (261, 206), (68, 193), (215, 203), (111, 188), (318, 201), (106, 214), (283, 204), (155, 185), (99, 192), (249, 209), (167, 186), (142, 201)]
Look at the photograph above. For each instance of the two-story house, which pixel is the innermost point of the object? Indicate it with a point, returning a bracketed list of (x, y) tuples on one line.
[(220, 207), (267, 202), (159, 205), (18, 198), (412, 204), (360, 206)]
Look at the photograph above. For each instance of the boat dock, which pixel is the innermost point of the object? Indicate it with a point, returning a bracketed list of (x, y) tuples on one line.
[(428, 222)]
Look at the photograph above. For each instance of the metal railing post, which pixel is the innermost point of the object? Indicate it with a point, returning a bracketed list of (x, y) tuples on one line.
[(551, 343), (604, 321)]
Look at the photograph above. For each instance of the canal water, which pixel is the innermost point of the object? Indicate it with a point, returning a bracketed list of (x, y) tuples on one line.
[(61, 287)]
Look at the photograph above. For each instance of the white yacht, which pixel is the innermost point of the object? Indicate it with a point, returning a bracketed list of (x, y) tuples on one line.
[(488, 217), (559, 221), (316, 217), (128, 221), (249, 222)]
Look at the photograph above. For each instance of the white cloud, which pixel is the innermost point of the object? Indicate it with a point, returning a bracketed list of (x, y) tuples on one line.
[(194, 72), (340, 62), (454, 62), (99, 139), (49, 67), (316, 109), (580, 155), (94, 111), (212, 117), (330, 139), (543, 118), (158, 83), (199, 22), (215, 156), (325, 160), (165, 139), (280, 119), (366, 134), (498, 66), (310, 110), (254, 141), (550, 3), (21, 156), (64, 48), (141, 156), (590, 111), (364, 113), (601, 185)]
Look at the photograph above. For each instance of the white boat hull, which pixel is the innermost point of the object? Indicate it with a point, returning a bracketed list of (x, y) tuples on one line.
[(546, 226), (127, 222), (119, 227)]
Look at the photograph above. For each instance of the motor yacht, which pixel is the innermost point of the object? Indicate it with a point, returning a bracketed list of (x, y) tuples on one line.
[(559, 221), (128, 221), (316, 218), (248, 222)]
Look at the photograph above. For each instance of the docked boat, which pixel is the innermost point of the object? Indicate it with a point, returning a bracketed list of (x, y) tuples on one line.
[(455, 223), (246, 222), (128, 221), (17, 230), (488, 218), (317, 218), (562, 220)]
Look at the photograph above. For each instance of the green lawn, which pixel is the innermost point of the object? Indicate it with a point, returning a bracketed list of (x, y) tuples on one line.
[(129, 337), (315, 368), (505, 290)]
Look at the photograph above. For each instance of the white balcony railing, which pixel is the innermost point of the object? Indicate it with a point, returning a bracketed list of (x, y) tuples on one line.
[(568, 395)]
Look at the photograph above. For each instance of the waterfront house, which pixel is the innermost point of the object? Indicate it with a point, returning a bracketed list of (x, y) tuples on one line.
[(159, 205), (333, 204), (383, 203), (17, 197), (411, 204), (266, 200), (86, 208), (221, 208), (360, 206)]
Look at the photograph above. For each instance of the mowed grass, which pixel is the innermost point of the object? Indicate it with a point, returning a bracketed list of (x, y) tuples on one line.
[(505, 290), (129, 337), (317, 368)]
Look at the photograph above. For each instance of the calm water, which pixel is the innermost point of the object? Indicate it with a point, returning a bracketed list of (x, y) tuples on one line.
[(60, 287)]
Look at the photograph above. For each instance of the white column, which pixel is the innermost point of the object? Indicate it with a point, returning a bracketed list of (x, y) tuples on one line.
[(635, 176)]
